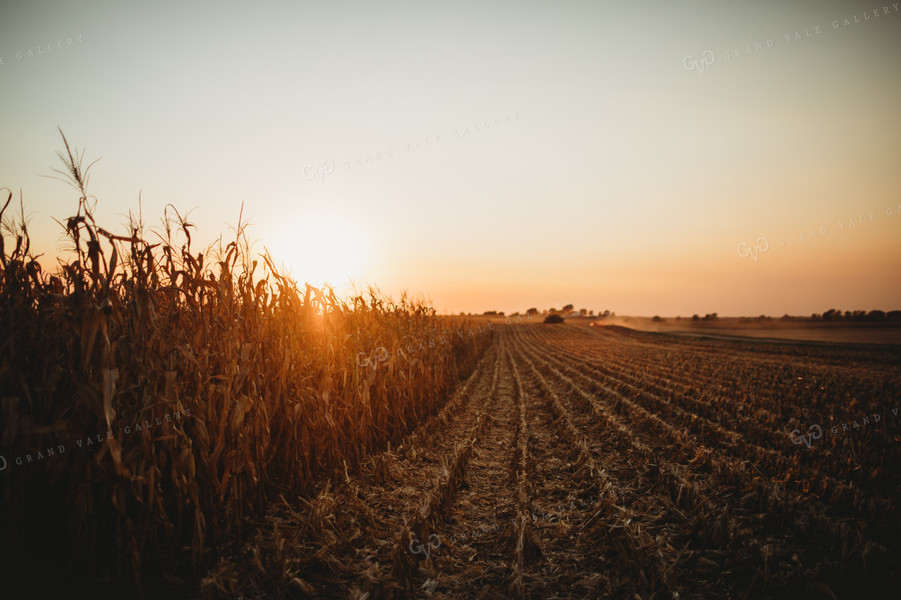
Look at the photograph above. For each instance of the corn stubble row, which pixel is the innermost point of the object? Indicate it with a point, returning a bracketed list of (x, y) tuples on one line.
[(439, 500), (782, 532), (129, 330)]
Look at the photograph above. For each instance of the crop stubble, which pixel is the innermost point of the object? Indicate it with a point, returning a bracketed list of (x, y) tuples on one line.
[(605, 463)]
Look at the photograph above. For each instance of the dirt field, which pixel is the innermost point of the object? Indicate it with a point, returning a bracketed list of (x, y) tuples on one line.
[(599, 462), (776, 329)]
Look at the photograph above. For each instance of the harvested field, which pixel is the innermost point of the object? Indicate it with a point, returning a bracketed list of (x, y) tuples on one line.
[(174, 426), (527, 300), (589, 463)]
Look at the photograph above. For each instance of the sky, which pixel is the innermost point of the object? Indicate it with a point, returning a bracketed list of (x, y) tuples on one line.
[(645, 158)]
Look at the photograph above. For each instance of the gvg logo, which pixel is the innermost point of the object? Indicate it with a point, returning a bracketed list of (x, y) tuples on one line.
[(815, 432), (762, 245), (433, 544), (310, 172), (706, 59), (379, 355)]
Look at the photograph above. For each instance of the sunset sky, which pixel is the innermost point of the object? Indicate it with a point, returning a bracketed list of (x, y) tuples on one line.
[(615, 155)]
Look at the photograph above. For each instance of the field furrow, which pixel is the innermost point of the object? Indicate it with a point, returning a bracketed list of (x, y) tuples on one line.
[(564, 469)]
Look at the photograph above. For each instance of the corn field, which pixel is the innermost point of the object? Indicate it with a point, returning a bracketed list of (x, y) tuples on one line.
[(195, 424), (155, 398)]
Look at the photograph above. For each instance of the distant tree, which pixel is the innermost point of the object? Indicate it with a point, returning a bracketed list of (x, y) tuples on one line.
[(606, 313), (568, 307), (785, 317), (658, 319), (590, 313), (678, 318), (695, 317), (501, 313), (583, 312), (893, 315), (532, 312), (552, 310), (490, 313), (553, 319), (876, 315)]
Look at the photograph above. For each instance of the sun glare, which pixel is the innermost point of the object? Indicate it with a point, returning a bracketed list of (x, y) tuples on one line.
[(323, 249)]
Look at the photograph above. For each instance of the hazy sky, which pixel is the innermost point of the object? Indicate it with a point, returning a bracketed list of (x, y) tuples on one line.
[(616, 155)]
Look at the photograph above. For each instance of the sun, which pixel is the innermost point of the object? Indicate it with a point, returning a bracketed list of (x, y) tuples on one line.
[(323, 249)]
